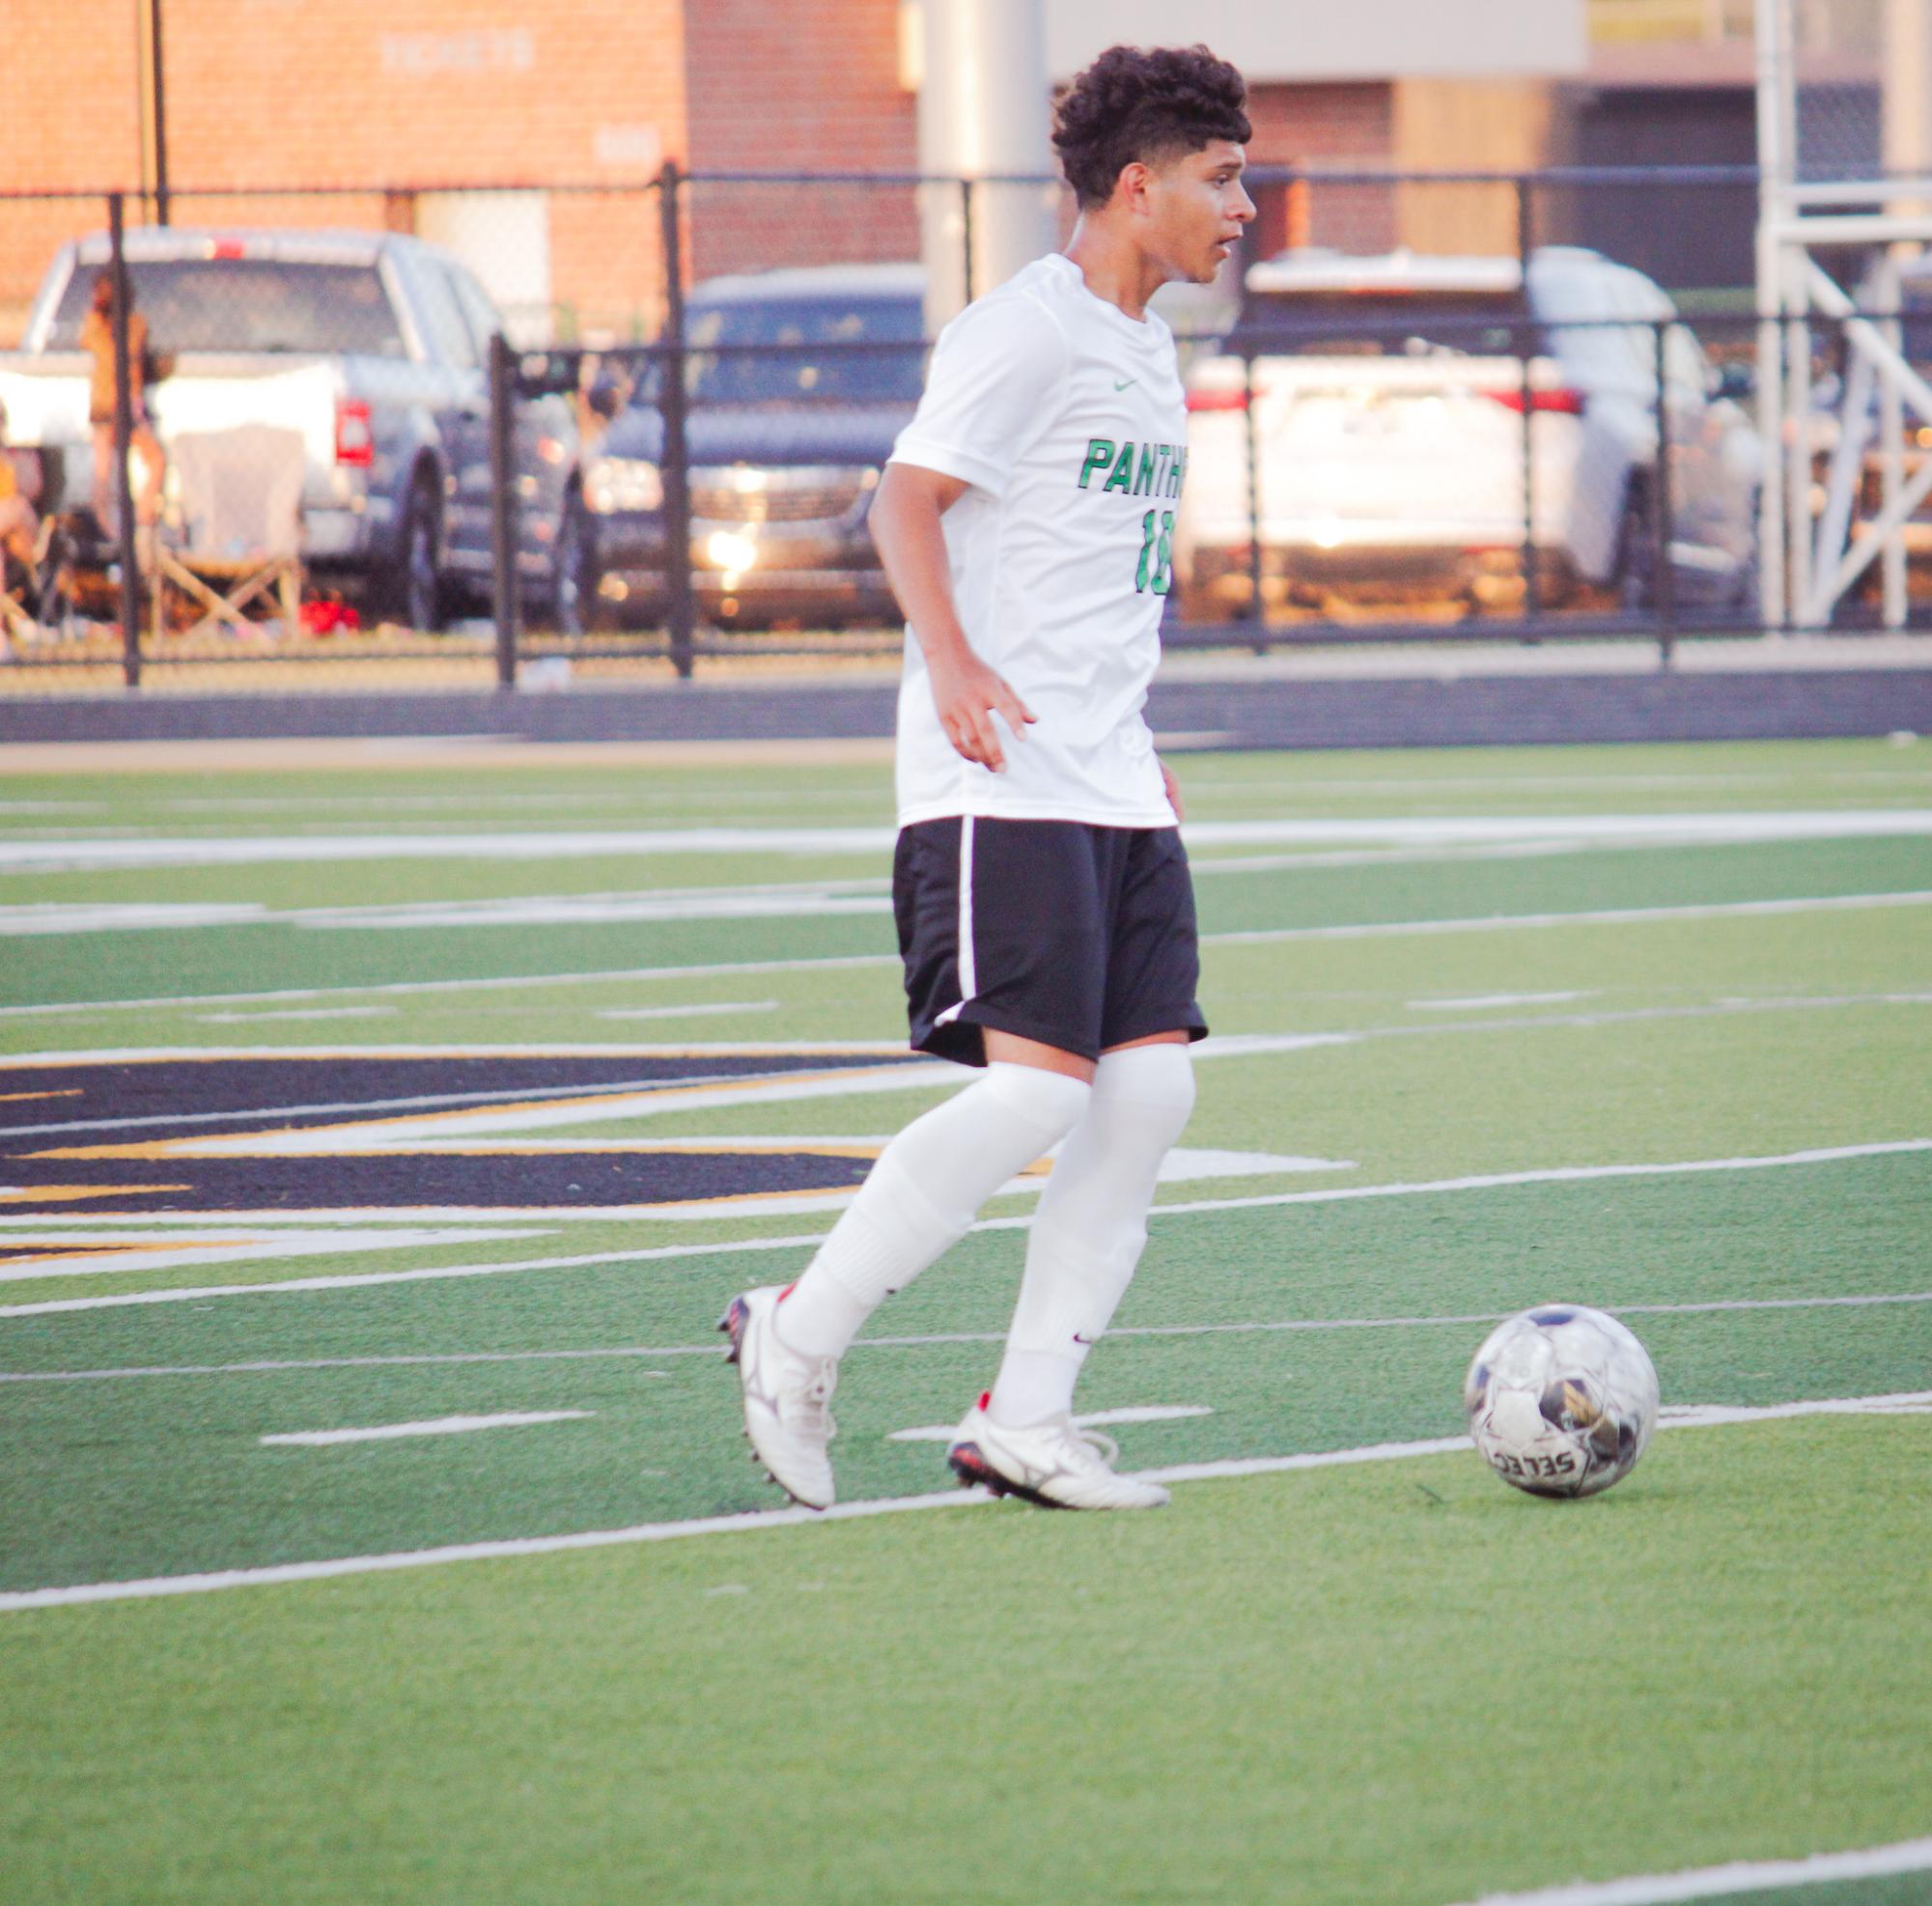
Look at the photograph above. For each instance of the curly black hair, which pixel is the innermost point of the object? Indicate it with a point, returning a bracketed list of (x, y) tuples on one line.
[(1145, 103)]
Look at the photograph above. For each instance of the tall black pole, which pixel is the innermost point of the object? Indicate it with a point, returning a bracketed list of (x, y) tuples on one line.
[(123, 431), (160, 115), (675, 461), (504, 530)]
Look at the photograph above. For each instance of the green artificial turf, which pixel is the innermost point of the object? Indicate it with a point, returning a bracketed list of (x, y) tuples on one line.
[(1400, 1683), (1397, 1682)]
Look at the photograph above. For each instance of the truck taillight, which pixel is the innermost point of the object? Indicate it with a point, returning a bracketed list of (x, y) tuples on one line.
[(1565, 403), (1217, 400), (354, 440)]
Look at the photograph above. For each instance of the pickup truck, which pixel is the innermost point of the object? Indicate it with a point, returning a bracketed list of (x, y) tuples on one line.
[(374, 346), (1389, 424)]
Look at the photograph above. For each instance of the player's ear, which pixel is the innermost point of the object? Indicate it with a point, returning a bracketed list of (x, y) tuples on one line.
[(1130, 187)]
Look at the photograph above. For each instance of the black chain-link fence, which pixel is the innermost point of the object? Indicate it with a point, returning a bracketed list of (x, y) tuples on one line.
[(564, 432)]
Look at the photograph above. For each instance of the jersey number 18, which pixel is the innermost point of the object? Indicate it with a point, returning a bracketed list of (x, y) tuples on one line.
[(1157, 549)]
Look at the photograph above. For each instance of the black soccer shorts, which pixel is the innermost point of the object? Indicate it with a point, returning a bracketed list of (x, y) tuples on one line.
[(1082, 937)]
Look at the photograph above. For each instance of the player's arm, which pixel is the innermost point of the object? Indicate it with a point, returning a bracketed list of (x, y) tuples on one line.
[(1173, 790), (904, 523)]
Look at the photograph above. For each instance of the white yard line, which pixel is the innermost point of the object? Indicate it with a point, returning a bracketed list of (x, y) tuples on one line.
[(1294, 1325), (102, 1254), (297, 1013), (1585, 917), (432, 1426), (282, 1573), (715, 1008), (1483, 1001), (1909, 1856), (1478, 923), (1152, 1413), (1487, 1181), (495, 983), (231, 851)]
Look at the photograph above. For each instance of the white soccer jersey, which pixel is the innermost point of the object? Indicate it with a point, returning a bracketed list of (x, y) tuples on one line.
[(1068, 419)]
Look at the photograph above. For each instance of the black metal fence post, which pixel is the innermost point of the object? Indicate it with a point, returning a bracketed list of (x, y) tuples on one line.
[(966, 233), (675, 465), (1664, 582), (1524, 242), (503, 524), (124, 432), (1257, 608)]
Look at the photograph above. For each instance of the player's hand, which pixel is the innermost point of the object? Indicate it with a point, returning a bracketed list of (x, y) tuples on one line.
[(1173, 788), (967, 694)]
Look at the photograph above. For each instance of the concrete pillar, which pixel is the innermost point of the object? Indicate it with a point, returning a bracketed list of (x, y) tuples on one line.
[(984, 113), (1907, 67)]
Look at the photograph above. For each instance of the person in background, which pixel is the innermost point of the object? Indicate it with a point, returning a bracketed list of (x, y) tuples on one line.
[(97, 339), (19, 486)]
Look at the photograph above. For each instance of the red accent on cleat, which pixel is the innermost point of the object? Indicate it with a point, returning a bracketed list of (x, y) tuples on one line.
[(786, 1292), (986, 1399)]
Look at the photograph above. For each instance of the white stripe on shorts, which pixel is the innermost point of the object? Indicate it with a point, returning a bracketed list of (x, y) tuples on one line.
[(969, 977)]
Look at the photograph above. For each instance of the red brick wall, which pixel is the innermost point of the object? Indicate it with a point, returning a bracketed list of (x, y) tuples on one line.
[(812, 85), (375, 93), (68, 89), (1337, 124)]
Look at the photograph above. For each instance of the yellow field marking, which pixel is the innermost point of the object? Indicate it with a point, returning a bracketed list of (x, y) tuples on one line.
[(107, 1247), (65, 1092), (230, 1146), (64, 1193)]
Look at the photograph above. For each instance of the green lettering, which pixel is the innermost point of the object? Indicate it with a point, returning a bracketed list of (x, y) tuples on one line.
[(1100, 454), (1179, 471), (1122, 477), (1144, 483)]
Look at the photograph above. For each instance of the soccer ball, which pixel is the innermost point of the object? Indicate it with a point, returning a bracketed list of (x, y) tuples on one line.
[(1561, 1400)]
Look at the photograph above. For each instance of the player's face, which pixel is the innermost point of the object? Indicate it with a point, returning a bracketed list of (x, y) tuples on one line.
[(1198, 209)]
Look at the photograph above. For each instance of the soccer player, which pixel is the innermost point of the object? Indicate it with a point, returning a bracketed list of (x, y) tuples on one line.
[(1045, 910)]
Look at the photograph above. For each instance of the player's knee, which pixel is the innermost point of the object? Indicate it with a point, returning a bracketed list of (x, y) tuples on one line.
[(1048, 1102), (1150, 1086)]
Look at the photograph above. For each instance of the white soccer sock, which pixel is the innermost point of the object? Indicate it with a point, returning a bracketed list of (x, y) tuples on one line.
[(1091, 1226), (920, 1199)]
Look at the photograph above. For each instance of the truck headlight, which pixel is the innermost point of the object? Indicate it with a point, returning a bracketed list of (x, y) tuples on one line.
[(623, 483)]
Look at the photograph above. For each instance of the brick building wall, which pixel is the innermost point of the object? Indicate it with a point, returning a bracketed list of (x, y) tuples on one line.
[(1344, 122), (399, 96), (812, 86), (362, 93)]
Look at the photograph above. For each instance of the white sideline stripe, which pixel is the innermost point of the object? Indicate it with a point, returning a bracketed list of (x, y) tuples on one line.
[(1596, 916), (1153, 1413), (1219, 1046), (153, 1586), (1489, 1180), (432, 1426), (423, 1276), (207, 851), (123, 1252), (1478, 1001), (712, 1010), (270, 1366), (1601, 916), (298, 1013), (501, 982), (1906, 1855)]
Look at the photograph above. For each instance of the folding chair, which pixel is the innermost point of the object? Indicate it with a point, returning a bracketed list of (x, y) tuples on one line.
[(240, 528), (37, 597)]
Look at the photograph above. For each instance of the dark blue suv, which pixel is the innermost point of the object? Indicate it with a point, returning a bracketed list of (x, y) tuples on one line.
[(798, 380)]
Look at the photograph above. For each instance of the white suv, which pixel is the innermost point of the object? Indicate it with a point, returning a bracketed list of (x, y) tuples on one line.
[(1389, 419)]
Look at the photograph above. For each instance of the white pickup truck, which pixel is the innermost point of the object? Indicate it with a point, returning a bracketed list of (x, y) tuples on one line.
[(1389, 419), (374, 346)]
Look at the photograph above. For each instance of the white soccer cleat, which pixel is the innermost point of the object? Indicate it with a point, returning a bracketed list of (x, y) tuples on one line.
[(1051, 1462), (787, 1399)]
